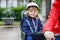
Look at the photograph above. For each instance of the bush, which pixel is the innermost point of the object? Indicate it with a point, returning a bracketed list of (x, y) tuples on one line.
[(17, 12), (1, 10)]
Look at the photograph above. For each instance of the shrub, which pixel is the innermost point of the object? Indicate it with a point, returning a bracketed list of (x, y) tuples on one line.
[(17, 12), (1, 10)]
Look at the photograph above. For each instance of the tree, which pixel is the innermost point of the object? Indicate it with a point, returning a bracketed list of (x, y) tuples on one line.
[(48, 7), (39, 2), (30, 0)]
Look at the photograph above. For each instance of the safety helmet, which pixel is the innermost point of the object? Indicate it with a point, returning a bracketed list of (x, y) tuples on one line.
[(32, 4)]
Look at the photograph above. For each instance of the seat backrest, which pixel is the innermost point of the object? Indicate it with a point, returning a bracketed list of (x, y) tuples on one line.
[(23, 14)]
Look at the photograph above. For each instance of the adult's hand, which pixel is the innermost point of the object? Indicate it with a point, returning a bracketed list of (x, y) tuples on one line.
[(49, 35)]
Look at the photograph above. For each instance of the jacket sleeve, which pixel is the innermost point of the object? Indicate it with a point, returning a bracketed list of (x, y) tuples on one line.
[(52, 18), (40, 26), (25, 27)]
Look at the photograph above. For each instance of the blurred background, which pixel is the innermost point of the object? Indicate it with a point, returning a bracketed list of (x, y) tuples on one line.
[(10, 16)]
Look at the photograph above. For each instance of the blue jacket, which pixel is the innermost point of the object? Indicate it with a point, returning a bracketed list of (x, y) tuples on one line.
[(27, 25)]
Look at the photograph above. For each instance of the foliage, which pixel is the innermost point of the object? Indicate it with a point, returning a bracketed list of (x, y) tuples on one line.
[(17, 12)]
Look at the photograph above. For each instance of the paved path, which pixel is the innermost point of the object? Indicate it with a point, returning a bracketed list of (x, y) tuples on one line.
[(10, 33)]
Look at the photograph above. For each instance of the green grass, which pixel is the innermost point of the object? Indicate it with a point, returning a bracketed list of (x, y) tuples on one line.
[(1, 23), (15, 23)]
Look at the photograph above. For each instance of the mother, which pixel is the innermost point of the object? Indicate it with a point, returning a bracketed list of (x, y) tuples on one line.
[(52, 25)]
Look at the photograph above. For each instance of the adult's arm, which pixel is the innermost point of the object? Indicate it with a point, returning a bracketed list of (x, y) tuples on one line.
[(53, 17)]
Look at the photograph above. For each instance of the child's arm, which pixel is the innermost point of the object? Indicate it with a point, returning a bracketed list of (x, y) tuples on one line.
[(40, 26), (25, 27)]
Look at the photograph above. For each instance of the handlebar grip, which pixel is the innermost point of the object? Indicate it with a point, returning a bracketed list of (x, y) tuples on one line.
[(57, 35)]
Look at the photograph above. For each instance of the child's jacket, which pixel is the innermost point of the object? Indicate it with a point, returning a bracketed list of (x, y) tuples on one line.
[(30, 26)]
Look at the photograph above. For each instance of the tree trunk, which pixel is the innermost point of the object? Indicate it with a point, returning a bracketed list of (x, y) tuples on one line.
[(48, 7), (30, 0)]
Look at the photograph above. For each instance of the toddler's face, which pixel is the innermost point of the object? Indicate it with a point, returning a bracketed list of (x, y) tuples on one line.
[(32, 12)]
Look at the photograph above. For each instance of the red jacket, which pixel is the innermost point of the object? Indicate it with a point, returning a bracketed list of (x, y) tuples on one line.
[(53, 22)]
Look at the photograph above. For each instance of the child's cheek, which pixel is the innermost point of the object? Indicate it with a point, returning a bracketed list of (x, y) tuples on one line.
[(31, 15)]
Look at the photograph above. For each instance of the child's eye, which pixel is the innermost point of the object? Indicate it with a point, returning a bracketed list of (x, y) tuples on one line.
[(30, 10)]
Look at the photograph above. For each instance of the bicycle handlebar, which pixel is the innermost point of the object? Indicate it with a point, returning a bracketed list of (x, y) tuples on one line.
[(57, 35)]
